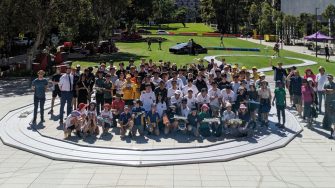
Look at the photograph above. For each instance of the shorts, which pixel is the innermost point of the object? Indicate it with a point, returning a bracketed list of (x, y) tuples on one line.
[(72, 127), (129, 102), (297, 99), (56, 93)]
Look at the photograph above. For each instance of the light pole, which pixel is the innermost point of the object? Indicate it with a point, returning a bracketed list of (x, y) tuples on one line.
[(316, 34)]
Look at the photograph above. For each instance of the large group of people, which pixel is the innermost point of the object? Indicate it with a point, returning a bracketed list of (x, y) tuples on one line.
[(201, 99)]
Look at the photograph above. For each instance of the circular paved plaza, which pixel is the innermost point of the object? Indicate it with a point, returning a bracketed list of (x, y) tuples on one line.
[(46, 139)]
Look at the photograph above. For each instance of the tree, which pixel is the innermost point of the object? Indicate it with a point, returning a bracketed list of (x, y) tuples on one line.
[(163, 11), (254, 14), (266, 20), (180, 15), (207, 11), (329, 13)]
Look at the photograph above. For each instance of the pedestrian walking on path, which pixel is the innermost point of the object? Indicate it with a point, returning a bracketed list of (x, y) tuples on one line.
[(149, 44), (327, 53), (39, 86)]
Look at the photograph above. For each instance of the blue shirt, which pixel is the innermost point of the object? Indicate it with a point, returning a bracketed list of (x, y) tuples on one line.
[(124, 117), (153, 116), (138, 120), (40, 87)]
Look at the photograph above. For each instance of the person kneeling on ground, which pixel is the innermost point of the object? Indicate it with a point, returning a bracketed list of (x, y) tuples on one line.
[(227, 115), (152, 120), (73, 122), (247, 126), (170, 123), (126, 123), (193, 122), (138, 118), (105, 119), (204, 129), (91, 125)]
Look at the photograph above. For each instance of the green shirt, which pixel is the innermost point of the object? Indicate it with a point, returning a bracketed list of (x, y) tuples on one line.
[(100, 82), (280, 95), (108, 94), (202, 116)]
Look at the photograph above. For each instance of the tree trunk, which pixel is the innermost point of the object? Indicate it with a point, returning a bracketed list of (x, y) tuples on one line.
[(33, 49)]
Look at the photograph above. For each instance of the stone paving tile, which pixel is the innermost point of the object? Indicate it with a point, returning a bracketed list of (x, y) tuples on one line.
[(14, 185)]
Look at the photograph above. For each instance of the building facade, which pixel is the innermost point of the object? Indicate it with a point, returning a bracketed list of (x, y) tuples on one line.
[(296, 7)]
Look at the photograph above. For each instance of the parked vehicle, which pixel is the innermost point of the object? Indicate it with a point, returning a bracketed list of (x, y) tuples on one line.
[(25, 41), (182, 48), (162, 32)]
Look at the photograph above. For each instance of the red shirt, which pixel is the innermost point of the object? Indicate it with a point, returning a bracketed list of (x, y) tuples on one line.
[(118, 105)]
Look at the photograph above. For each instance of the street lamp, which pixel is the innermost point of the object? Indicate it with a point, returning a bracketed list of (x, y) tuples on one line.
[(316, 34)]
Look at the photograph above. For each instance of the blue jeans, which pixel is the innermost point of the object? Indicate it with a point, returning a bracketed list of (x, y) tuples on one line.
[(321, 95), (41, 101), (66, 97)]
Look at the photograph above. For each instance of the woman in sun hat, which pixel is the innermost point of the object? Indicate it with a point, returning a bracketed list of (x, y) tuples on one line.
[(265, 102)]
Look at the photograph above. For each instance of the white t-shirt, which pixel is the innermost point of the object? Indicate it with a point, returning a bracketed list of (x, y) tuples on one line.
[(235, 86), (321, 80), (118, 86), (180, 83), (161, 107), (228, 115), (68, 121), (185, 111), (228, 97), (194, 89), (106, 114), (171, 92), (174, 100), (217, 94), (156, 81), (191, 102), (147, 99), (203, 99)]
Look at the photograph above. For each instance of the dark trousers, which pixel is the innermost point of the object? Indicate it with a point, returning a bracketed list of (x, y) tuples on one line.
[(41, 101), (66, 97), (281, 113), (99, 97)]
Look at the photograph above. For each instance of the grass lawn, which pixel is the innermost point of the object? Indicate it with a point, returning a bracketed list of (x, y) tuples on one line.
[(139, 50), (178, 28)]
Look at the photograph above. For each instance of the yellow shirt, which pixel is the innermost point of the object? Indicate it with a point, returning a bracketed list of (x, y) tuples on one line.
[(128, 91), (137, 92), (255, 76)]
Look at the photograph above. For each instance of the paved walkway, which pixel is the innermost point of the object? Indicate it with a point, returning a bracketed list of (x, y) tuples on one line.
[(297, 49), (308, 161)]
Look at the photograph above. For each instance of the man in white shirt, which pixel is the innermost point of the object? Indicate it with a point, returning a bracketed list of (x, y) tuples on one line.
[(191, 101), (176, 99), (172, 89), (180, 84), (148, 98), (203, 97), (215, 98), (66, 87), (155, 79), (190, 86), (321, 79), (228, 96), (184, 109)]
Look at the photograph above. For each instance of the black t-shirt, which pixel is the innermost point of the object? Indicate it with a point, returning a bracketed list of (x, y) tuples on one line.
[(279, 73), (162, 91), (55, 78), (223, 85)]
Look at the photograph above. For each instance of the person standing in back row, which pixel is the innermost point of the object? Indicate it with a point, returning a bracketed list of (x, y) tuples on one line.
[(39, 86), (327, 53), (66, 87)]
